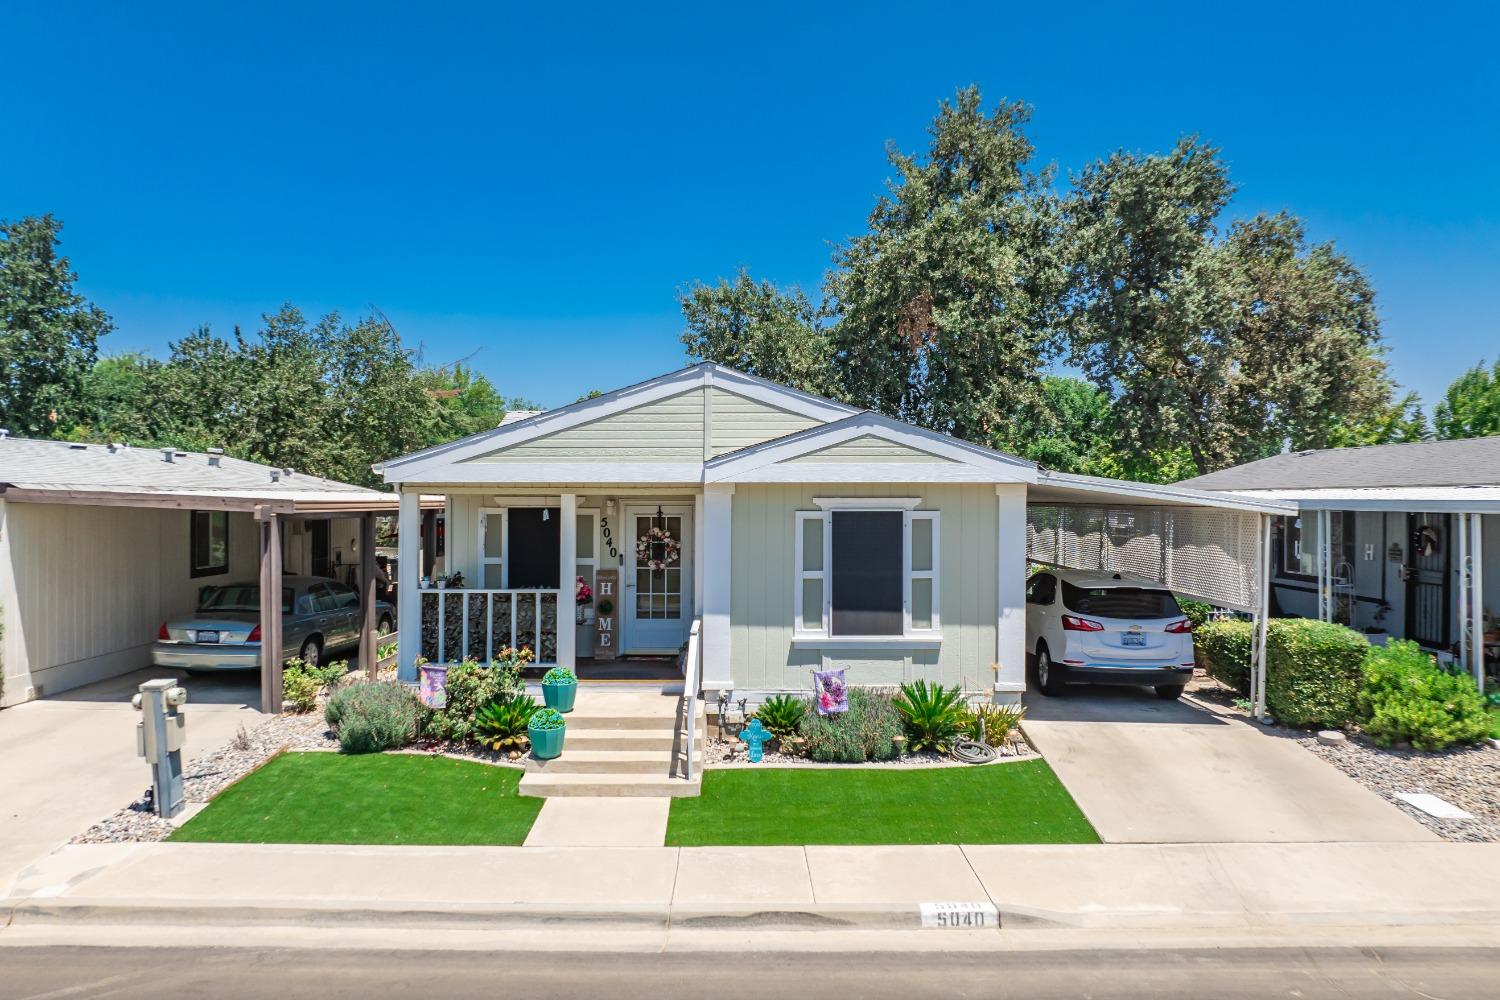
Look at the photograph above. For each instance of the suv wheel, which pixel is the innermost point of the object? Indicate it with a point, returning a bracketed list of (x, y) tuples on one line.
[(1170, 692), (1049, 676)]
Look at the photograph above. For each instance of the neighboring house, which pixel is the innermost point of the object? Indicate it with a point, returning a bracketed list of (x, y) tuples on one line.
[(1413, 530), (802, 532), (99, 544)]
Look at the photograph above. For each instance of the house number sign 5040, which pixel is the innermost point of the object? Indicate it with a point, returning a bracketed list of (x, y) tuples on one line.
[(960, 916), (608, 538)]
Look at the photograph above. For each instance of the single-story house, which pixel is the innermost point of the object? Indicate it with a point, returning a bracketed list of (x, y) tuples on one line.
[(1397, 540), (99, 544), (800, 532)]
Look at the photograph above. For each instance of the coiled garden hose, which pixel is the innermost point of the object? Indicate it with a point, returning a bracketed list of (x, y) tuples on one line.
[(973, 752)]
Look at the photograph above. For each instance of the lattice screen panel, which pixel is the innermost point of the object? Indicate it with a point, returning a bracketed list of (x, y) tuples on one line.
[(1211, 555)]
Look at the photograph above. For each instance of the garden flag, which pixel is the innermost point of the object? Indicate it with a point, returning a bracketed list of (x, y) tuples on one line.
[(831, 692)]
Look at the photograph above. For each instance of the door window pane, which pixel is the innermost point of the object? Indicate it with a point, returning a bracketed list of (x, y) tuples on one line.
[(494, 538), (585, 530), (492, 577)]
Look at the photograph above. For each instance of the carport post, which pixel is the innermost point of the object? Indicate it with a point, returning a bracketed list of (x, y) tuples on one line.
[(368, 654), (270, 610), (1262, 614)]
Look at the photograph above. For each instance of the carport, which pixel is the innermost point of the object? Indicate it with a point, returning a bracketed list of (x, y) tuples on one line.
[(1209, 546), (94, 553)]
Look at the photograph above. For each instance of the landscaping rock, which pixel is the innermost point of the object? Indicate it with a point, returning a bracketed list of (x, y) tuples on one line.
[(1332, 738)]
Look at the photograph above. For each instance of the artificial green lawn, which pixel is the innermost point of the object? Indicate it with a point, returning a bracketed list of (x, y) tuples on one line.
[(330, 798), (1012, 803), (1495, 723)]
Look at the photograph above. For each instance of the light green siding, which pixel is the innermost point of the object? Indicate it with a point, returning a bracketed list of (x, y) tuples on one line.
[(739, 422), (761, 607), (869, 448), (666, 430)]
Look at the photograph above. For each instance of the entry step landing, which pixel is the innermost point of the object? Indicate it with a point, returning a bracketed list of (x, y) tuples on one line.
[(620, 743)]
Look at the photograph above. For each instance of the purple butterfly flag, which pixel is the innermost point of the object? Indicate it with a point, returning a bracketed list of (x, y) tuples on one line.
[(831, 692)]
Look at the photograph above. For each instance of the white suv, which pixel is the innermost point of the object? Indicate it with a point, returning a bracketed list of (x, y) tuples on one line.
[(1106, 628)]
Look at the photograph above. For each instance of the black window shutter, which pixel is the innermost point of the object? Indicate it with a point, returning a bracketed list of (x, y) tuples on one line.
[(867, 594)]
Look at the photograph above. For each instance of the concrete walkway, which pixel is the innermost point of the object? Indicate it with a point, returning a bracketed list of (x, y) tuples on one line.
[(1146, 771), (70, 760), (1187, 887), (600, 822)]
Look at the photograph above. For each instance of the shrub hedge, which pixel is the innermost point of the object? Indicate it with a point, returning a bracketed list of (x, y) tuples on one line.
[(1406, 696), (867, 731), (1314, 671), (369, 718), (1223, 648)]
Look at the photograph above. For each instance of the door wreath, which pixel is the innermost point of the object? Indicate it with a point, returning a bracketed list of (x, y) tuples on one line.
[(1426, 540), (657, 549)]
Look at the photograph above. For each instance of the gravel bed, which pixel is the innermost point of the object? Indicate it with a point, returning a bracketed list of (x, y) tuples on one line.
[(731, 753)]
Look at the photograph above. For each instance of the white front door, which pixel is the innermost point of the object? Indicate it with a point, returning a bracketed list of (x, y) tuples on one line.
[(658, 577)]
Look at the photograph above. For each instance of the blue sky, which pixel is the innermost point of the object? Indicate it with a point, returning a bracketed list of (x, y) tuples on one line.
[(530, 188)]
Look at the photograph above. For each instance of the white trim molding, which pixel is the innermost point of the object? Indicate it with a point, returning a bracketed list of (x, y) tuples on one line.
[(846, 642), (867, 503)]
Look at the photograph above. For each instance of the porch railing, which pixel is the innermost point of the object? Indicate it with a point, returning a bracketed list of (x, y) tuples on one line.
[(459, 623), (692, 679)]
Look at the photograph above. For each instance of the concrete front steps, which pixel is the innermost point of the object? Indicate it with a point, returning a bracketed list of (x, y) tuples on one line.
[(620, 742)]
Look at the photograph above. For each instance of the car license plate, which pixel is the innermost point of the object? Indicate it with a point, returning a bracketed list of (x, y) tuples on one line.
[(208, 635), (1133, 639)]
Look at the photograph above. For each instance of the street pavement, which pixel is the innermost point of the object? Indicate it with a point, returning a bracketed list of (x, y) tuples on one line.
[(1169, 974)]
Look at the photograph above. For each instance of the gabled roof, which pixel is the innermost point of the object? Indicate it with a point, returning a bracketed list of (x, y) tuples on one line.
[(1466, 462), (33, 469), (796, 457), (426, 464)]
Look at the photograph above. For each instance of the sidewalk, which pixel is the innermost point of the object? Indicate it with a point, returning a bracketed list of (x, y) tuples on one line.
[(1179, 886)]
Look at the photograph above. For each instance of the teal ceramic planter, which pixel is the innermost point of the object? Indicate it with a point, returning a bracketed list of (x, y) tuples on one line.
[(560, 696), (546, 743)]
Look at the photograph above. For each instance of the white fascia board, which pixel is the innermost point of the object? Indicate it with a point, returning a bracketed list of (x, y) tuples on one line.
[(964, 462), (1434, 499), (1157, 493), (424, 463), (587, 473)]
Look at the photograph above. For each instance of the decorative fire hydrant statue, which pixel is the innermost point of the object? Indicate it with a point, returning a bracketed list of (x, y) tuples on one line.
[(755, 736)]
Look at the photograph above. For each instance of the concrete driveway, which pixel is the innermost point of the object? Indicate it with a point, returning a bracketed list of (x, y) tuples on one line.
[(1146, 771), (70, 760)]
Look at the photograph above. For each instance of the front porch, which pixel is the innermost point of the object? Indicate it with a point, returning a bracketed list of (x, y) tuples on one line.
[(605, 582)]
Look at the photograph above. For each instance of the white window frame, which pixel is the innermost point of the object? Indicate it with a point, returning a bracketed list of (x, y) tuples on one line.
[(485, 561), (800, 574)]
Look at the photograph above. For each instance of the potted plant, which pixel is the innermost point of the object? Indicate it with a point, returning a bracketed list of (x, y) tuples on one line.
[(559, 689), (546, 727)]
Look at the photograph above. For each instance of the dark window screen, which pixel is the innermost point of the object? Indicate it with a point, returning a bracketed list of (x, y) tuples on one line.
[(1120, 602), (867, 592), (535, 547)]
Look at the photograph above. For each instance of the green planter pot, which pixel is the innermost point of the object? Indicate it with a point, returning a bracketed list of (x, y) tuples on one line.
[(546, 743), (560, 696)]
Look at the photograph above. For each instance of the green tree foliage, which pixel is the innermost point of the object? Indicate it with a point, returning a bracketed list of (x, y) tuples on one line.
[(1399, 421), (1471, 406), (945, 303), (1226, 343), (49, 334), (757, 328)]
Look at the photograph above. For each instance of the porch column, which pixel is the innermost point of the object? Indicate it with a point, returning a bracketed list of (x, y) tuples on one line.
[(1010, 592), (408, 583), (718, 515), (1465, 588), (1262, 619), (1325, 569), (567, 636), (1476, 602), (367, 627), (270, 610), (698, 555)]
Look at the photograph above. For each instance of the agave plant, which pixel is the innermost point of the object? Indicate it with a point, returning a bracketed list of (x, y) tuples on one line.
[(782, 714), (502, 722), (992, 723), (933, 715)]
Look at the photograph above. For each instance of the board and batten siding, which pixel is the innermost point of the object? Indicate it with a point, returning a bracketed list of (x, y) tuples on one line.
[(84, 589), (762, 657), (739, 421)]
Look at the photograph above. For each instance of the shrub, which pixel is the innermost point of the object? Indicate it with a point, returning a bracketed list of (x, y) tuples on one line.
[(559, 675), (1195, 611), (1314, 671), (782, 714), (369, 718), (1223, 647), (301, 684), (867, 731), (471, 686), (1408, 697), (998, 721), (546, 719), (502, 723), (931, 714)]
